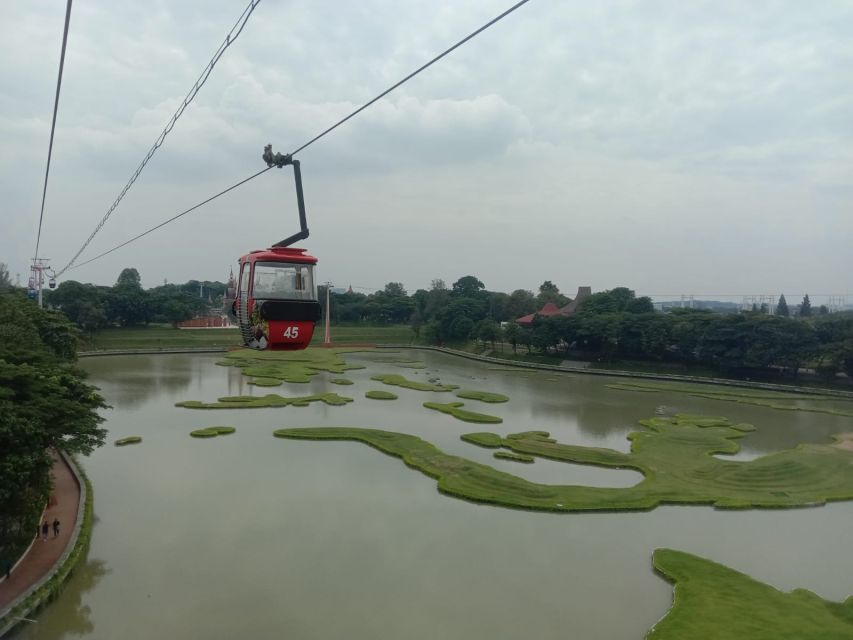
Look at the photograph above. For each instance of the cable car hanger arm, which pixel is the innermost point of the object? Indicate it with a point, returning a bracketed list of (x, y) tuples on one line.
[(279, 160)]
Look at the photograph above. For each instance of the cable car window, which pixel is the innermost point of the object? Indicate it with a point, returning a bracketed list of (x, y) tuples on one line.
[(280, 281), (244, 278)]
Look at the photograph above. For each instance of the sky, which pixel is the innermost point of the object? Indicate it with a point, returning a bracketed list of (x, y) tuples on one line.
[(676, 148)]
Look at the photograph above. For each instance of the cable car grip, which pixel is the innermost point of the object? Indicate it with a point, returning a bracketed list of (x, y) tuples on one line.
[(279, 160)]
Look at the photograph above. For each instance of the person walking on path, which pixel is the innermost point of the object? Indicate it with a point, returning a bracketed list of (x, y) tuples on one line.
[(44, 529), (55, 527)]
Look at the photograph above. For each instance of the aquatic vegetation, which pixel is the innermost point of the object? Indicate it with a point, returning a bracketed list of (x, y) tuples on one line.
[(212, 432), (484, 439), (266, 382), (343, 381), (675, 455), (713, 601), (269, 400), (516, 457), (380, 395), (289, 366), (397, 380), (455, 409), (128, 440), (758, 397), (483, 396)]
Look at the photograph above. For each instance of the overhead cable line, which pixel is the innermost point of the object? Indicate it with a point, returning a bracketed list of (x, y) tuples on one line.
[(199, 83), (173, 218), (53, 124), (311, 141), (412, 75)]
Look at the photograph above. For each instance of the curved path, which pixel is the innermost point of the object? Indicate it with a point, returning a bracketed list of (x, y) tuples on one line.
[(43, 555)]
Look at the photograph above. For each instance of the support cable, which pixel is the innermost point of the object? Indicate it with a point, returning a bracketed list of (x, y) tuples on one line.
[(53, 124), (279, 159), (199, 83), (411, 75), (172, 219)]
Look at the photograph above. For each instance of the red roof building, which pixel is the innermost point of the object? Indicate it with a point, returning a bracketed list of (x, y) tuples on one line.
[(550, 309)]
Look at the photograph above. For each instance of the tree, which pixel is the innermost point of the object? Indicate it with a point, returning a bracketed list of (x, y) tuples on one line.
[(129, 278), (395, 289), (548, 292), (468, 287), (488, 331), (44, 403), (512, 333), (521, 302), (806, 307), (782, 307), (5, 279)]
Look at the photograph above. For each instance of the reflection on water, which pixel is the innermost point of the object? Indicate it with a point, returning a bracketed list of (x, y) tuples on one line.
[(68, 615), (254, 536)]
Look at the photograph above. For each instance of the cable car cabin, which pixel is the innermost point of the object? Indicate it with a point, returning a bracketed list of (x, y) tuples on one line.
[(276, 304)]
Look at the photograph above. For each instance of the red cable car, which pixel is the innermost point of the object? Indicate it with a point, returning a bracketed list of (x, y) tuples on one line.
[(276, 304)]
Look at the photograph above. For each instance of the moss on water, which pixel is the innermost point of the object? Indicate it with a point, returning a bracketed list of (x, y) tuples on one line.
[(515, 457), (266, 382), (484, 439), (380, 395), (713, 601), (397, 380), (289, 366), (677, 457), (267, 401), (212, 432), (482, 396), (455, 409), (121, 442), (341, 381)]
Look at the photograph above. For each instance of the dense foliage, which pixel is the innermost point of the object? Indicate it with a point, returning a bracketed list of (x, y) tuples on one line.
[(44, 404), (127, 304)]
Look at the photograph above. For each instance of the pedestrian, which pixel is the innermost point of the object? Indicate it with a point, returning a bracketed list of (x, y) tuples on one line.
[(44, 529), (55, 527)]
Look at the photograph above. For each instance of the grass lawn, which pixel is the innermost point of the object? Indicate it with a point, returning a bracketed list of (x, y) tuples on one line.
[(165, 337)]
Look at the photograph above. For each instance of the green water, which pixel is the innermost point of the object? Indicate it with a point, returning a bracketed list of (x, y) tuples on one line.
[(251, 536)]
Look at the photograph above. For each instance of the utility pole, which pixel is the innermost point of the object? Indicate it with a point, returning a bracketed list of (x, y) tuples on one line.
[(37, 278), (327, 339)]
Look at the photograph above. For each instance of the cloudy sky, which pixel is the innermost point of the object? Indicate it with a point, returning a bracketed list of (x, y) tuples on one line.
[(671, 147)]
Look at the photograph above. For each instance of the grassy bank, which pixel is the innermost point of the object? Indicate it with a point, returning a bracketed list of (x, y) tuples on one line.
[(713, 601), (167, 337)]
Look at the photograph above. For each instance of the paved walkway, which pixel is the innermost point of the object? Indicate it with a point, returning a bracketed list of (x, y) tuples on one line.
[(43, 554)]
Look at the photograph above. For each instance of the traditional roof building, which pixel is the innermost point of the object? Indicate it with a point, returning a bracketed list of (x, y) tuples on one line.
[(550, 309)]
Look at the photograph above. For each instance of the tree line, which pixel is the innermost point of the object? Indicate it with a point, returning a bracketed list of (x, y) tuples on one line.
[(126, 303), (44, 404)]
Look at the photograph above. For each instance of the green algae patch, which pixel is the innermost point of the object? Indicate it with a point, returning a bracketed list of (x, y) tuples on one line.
[(267, 401), (455, 409), (483, 439), (675, 455), (397, 380), (482, 396), (380, 395), (212, 432), (121, 442), (515, 457), (714, 601), (289, 366), (779, 400), (341, 381), (266, 382)]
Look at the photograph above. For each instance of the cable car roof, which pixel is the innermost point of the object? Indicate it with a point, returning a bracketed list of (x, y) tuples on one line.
[(279, 254)]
